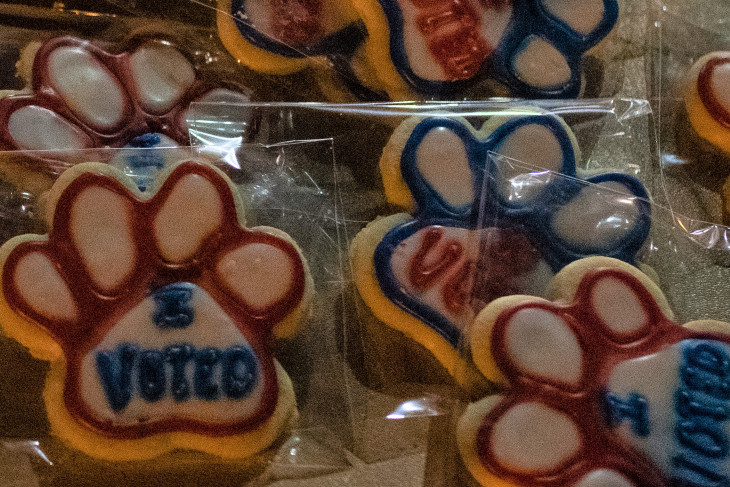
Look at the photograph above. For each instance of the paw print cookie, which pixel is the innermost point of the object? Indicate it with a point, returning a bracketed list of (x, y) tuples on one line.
[(82, 96), (438, 48), (157, 313), (427, 273), (285, 36), (602, 388)]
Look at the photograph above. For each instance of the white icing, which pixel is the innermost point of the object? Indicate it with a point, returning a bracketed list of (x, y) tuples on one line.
[(583, 16), (530, 145), (533, 438), (433, 296), (541, 65), (618, 306), (720, 83), (258, 14), (494, 23), (596, 219), (37, 128), (604, 478), (659, 379), (442, 160), (101, 230), (541, 344), (88, 87), (654, 377), (533, 282), (43, 289), (190, 214), (211, 328), (259, 274), (420, 59), (161, 75)]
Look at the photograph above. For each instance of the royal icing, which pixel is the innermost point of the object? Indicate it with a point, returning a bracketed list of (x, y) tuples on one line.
[(534, 47), (84, 97), (295, 29), (162, 306), (471, 241), (605, 390)]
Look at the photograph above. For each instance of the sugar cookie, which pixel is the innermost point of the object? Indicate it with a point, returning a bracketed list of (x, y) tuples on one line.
[(602, 388), (156, 310)]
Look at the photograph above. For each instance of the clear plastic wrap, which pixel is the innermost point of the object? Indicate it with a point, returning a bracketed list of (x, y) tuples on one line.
[(592, 210), (694, 167), (437, 52), (291, 187)]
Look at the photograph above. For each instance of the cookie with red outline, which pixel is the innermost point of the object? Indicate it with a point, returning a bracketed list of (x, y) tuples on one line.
[(80, 96), (602, 388), (157, 311)]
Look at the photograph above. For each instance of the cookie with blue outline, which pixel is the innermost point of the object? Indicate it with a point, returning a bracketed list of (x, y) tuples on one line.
[(601, 388), (285, 36), (467, 240), (440, 48), (157, 311)]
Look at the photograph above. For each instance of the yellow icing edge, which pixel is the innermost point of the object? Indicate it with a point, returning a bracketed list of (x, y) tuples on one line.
[(248, 54), (377, 50), (362, 250), (700, 118), (243, 445), (467, 428)]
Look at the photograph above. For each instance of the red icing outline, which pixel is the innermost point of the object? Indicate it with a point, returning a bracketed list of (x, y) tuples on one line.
[(453, 32), (135, 120), (98, 312), (707, 93), (296, 22), (600, 354)]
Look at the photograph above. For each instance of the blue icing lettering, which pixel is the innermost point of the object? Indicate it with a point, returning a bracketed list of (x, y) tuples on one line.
[(205, 362), (635, 409), (115, 370), (703, 436), (172, 306), (708, 357), (239, 372), (178, 356), (691, 473), (702, 411), (151, 374), (692, 404)]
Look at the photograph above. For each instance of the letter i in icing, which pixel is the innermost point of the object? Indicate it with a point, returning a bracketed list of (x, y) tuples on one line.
[(156, 311), (601, 388)]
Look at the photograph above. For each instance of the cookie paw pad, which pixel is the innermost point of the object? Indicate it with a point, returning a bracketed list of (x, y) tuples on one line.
[(163, 309)]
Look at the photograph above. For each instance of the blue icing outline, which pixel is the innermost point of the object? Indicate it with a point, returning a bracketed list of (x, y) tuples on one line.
[(534, 218), (343, 40), (533, 20)]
